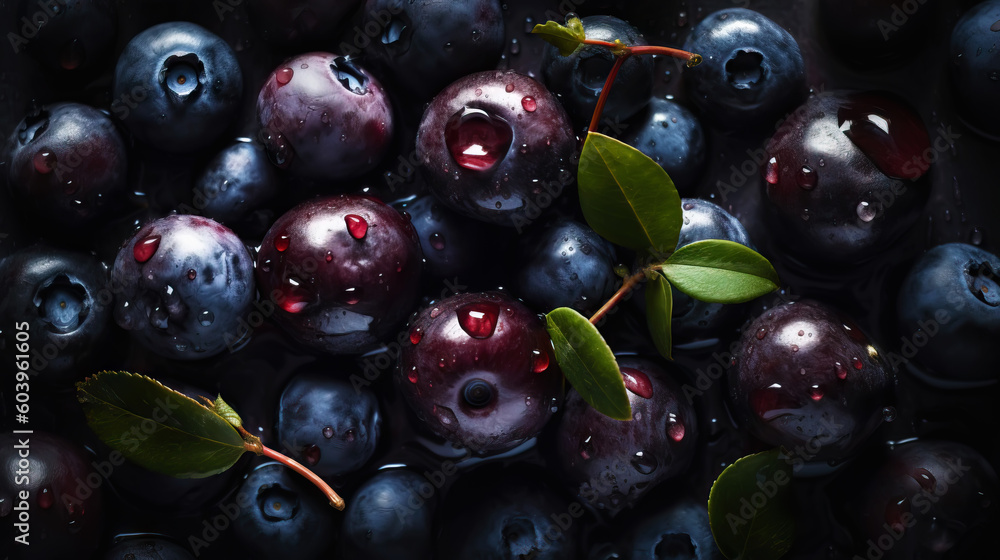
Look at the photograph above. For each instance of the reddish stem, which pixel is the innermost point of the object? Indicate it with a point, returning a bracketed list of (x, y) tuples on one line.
[(627, 286), (667, 51), (606, 90), (335, 500)]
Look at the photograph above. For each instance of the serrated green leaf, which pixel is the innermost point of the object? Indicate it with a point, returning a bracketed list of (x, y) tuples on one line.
[(720, 271), (588, 363), (659, 311), (626, 197), (157, 427), (567, 38), (749, 510)]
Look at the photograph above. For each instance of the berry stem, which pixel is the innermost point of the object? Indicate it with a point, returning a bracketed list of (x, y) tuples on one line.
[(335, 500), (627, 286), (606, 90)]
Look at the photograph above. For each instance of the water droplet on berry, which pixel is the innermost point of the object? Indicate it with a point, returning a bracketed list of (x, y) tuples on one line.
[(437, 241), (283, 76), (840, 370), (206, 318), (807, 178), (144, 249), (857, 363), (352, 296), (637, 382), (478, 320), (445, 415), (45, 498), (761, 333), (586, 448), (889, 413), (529, 104), (412, 375), (435, 312), (476, 139), (866, 211), (509, 87), (415, 335), (356, 226), (329, 256), (281, 243), (644, 463), (539, 361), (675, 430), (976, 236), (771, 171), (311, 454), (815, 392), (889, 133), (44, 161), (328, 432)]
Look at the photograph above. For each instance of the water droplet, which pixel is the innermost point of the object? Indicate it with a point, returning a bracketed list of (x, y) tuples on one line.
[(857, 363), (894, 512), (445, 415), (435, 312), (311, 454), (529, 104), (352, 295), (761, 333), (515, 46), (807, 178), (356, 226), (866, 211), (587, 448), (815, 392), (976, 237), (675, 430), (637, 382), (145, 248), (329, 256), (328, 432), (795, 348), (46, 498), (72, 55), (644, 463), (889, 133), (437, 241), (283, 76), (281, 243), (44, 161), (478, 320), (771, 171), (509, 87), (412, 375), (889, 413), (539, 361), (192, 274), (206, 318), (840, 370), (416, 335), (476, 139)]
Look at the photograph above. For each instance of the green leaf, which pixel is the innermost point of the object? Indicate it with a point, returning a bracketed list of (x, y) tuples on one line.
[(626, 197), (749, 510), (588, 363), (567, 38), (157, 427), (659, 311), (720, 271)]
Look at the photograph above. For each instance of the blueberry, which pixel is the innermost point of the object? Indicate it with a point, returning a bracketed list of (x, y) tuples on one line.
[(147, 548), (480, 371), (566, 264), (74, 36), (177, 87), (237, 183), (949, 305), (611, 463), (673, 531), (324, 117), (424, 45), (496, 146), (579, 78), (63, 301), (327, 424), (388, 518), (975, 67), (806, 377), (67, 165), (280, 515), (182, 285), (343, 271), (751, 68), (673, 137), (450, 242)]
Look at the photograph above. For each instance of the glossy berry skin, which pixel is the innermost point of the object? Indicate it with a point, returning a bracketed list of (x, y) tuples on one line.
[(806, 377), (480, 371), (388, 518), (932, 497), (147, 548), (177, 87), (281, 515), (342, 272), (611, 463), (61, 300), (975, 64), (949, 305), (67, 165), (64, 513), (327, 424), (324, 117), (496, 146), (182, 284), (872, 34), (842, 177), (566, 264), (672, 135), (579, 78), (424, 45), (751, 70), (75, 36), (678, 531), (237, 182), (496, 514), (295, 23), (451, 243)]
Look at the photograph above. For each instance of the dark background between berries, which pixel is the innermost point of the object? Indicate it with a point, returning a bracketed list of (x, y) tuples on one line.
[(962, 207)]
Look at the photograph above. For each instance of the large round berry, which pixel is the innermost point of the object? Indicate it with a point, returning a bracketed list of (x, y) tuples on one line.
[(183, 283), (751, 68), (328, 424), (67, 165), (672, 531), (612, 463), (673, 137), (479, 369), (579, 78), (147, 548), (806, 377), (388, 518), (975, 65), (842, 176), (343, 271), (61, 301), (452, 244), (949, 314), (45, 499), (177, 86), (322, 116), (496, 146), (424, 45), (237, 182)]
